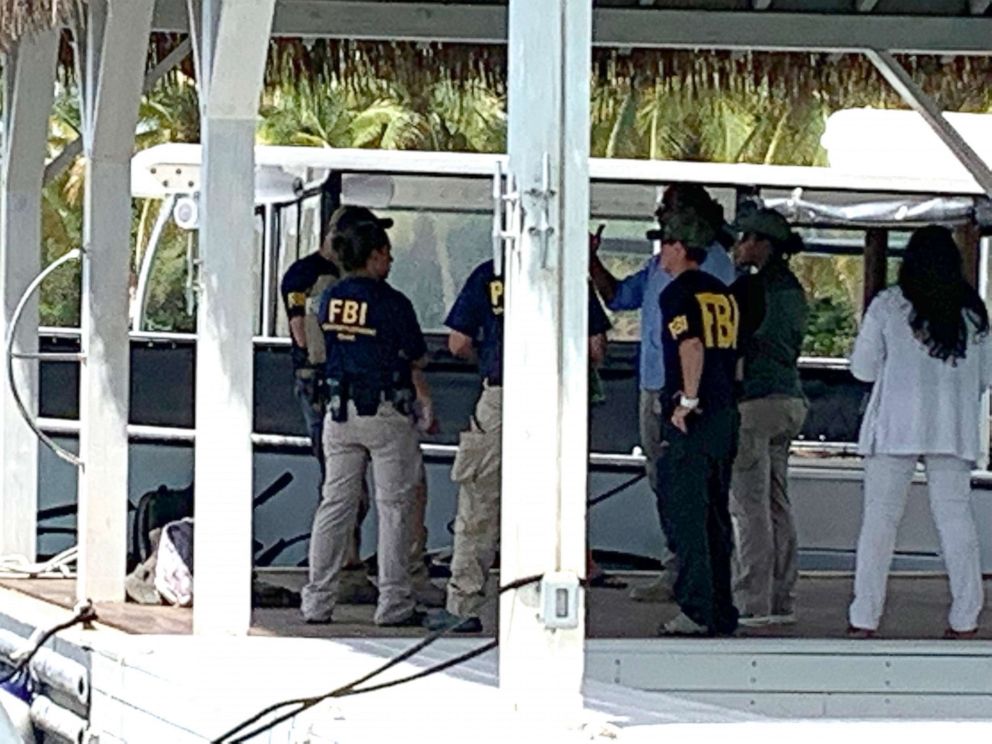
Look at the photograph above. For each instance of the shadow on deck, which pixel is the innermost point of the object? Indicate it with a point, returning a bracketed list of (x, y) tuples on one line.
[(916, 610)]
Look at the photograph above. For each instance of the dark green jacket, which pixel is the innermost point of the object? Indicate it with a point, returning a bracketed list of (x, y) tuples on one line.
[(771, 350)]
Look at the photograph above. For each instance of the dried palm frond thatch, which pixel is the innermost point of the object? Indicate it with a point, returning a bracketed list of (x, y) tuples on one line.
[(19, 18)]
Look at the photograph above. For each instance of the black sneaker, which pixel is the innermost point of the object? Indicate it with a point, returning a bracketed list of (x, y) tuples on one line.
[(317, 620), (414, 620), (444, 619)]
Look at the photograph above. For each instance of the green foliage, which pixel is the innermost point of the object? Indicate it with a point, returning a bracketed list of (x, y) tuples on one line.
[(831, 329), (679, 105)]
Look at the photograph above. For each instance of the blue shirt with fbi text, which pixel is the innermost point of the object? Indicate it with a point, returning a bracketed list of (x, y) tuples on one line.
[(478, 314), (371, 332)]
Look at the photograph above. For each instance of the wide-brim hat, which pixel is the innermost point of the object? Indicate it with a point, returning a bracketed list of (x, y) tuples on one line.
[(765, 222)]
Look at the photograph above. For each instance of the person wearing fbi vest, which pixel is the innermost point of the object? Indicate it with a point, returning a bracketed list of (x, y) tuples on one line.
[(302, 286), (699, 426), (476, 323), (640, 291), (377, 398)]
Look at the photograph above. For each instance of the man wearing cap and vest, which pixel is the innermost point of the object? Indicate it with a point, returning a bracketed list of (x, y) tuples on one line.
[(699, 426), (376, 390), (476, 323), (772, 408), (640, 291)]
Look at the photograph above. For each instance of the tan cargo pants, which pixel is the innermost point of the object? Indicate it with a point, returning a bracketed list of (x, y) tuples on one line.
[(477, 471), (764, 562), (354, 569), (389, 441)]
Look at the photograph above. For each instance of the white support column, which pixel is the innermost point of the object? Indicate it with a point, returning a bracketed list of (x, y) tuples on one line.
[(29, 90), (545, 403), (233, 61), (114, 53), (925, 106)]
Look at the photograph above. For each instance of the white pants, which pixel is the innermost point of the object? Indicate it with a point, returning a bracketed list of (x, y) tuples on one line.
[(887, 481)]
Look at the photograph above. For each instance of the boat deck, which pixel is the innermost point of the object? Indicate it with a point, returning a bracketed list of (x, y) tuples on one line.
[(916, 610)]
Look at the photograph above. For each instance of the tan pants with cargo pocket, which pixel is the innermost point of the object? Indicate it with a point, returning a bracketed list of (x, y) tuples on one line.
[(477, 472), (764, 562)]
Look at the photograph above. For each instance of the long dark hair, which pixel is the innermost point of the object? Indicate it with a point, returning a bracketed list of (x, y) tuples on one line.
[(931, 278)]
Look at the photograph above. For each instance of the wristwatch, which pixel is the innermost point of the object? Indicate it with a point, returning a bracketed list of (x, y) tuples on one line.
[(690, 403)]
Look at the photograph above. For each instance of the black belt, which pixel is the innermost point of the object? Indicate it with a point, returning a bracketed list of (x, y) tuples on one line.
[(494, 382)]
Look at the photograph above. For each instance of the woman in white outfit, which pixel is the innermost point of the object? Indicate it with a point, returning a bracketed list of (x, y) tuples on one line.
[(925, 345)]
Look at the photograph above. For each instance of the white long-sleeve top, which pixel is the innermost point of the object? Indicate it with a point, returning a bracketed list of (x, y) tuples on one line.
[(918, 405)]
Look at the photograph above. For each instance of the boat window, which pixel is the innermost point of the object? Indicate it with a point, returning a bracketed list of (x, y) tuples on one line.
[(832, 271), (434, 253), (298, 231), (623, 251), (442, 230)]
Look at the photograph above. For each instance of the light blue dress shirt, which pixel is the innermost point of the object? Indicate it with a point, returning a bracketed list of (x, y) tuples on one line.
[(641, 291)]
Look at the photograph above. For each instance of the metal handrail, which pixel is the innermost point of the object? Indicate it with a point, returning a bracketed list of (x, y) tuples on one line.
[(61, 452), (151, 250)]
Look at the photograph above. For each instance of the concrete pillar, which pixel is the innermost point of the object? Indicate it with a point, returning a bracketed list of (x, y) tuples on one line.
[(29, 85), (234, 45), (545, 404), (112, 55)]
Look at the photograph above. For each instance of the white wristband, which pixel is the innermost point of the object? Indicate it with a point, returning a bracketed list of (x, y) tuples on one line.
[(689, 403)]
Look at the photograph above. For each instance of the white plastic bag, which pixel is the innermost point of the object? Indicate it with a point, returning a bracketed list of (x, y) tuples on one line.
[(174, 567)]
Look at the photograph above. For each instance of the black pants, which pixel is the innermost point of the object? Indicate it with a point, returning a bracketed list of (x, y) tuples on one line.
[(694, 475)]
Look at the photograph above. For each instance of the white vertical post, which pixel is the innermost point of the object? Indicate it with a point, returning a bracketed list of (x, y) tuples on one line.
[(29, 89), (114, 52), (234, 46), (984, 275), (546, 355)]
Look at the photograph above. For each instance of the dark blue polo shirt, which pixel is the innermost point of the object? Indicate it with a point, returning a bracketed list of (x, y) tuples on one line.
[(478, 314), (300, 279), (304, 279), (372, 333)]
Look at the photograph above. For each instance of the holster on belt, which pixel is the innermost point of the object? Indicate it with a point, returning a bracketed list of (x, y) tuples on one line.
[(337, 400)]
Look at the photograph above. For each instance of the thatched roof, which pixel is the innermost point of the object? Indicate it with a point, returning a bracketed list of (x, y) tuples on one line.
[(19, 18)]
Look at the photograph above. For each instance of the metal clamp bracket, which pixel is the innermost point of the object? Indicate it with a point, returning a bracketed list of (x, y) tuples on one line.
[(506, 215), (544, 195)]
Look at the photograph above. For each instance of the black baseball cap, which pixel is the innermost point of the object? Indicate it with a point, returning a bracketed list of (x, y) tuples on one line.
[(348, 217)]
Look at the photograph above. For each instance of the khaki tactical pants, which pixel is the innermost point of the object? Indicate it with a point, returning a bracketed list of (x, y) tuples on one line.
[(477, 471), (354, 573), (389, 441), (765, 568)]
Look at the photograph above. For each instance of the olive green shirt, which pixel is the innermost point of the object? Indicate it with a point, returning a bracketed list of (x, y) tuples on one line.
[(771, 352)]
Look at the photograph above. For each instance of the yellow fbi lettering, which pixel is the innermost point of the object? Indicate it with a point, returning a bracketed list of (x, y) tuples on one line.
[(720, 319), (348, 317), (496, 296)]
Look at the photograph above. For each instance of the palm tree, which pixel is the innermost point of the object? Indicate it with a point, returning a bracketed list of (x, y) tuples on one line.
[(719, 106)]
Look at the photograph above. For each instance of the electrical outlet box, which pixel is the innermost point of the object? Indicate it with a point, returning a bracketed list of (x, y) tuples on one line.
[(560, 600)]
